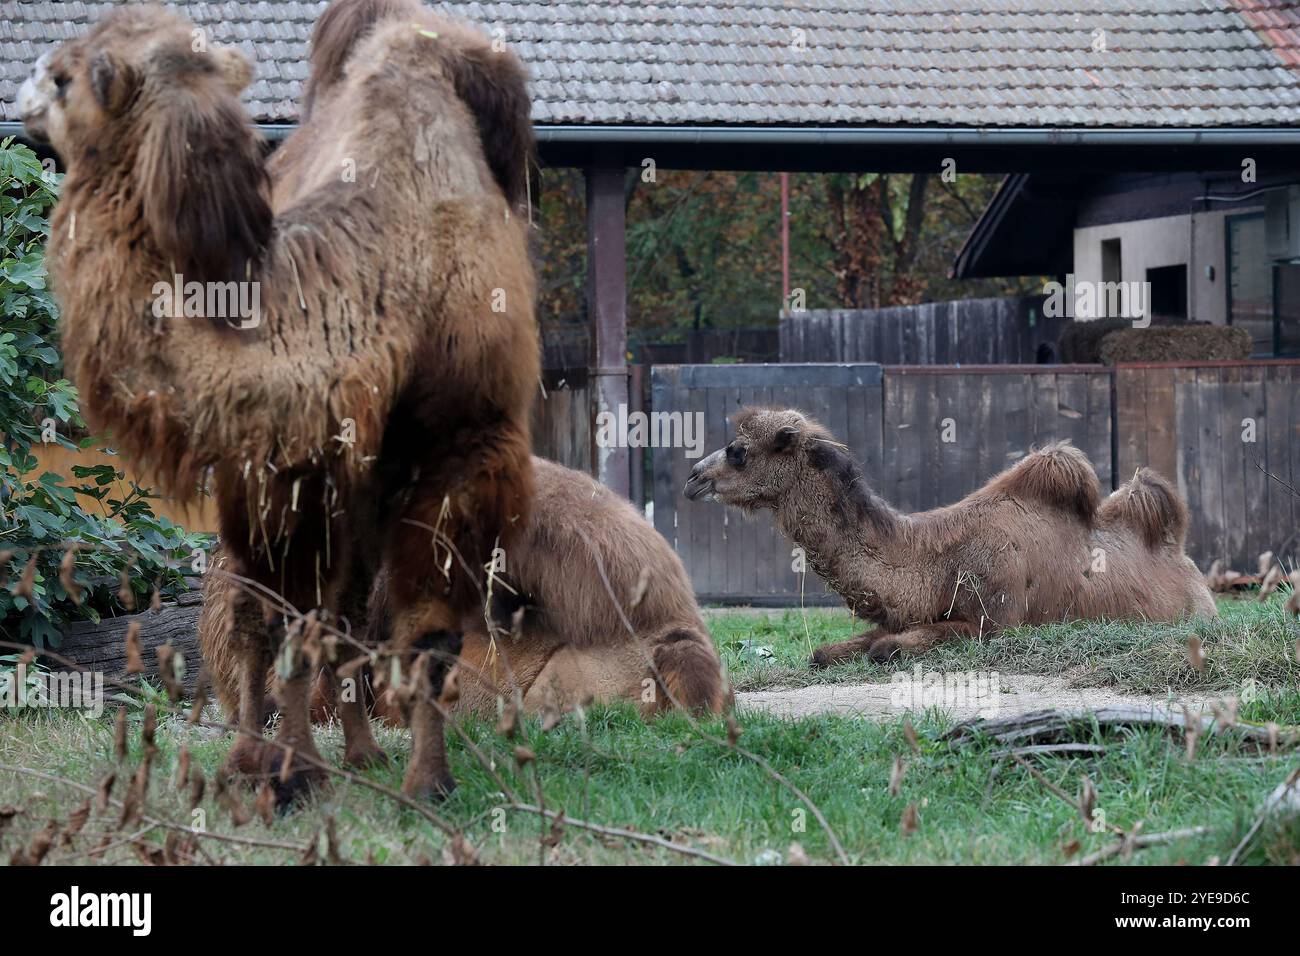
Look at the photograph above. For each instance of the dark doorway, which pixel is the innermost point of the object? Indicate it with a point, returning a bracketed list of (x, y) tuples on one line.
[(1286, 299), (1168, 293)]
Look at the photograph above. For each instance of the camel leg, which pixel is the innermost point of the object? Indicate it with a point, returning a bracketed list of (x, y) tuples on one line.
[(360, 748), (919, 639), (430, 653), (307, 767), (248, 642), (830, 654), (463, 502)]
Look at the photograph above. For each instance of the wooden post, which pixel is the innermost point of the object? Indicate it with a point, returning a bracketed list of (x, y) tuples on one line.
[(607, 309)]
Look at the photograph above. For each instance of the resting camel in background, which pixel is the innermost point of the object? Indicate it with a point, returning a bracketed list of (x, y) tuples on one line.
[(559, 637), (375, 410), (1034, 545)]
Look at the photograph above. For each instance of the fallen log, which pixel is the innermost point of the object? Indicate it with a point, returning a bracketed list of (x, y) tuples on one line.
[(1055, 726), (102, 647)]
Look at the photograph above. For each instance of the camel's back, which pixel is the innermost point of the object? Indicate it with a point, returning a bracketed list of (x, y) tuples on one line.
[(580, 529)]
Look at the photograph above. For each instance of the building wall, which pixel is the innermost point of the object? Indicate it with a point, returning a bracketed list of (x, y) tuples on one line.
[(1196, 240)]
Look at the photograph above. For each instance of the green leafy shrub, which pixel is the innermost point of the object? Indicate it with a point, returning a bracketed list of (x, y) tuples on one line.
[(113, 534)]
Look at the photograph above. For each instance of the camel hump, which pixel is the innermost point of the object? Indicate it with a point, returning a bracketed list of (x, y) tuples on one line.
[(1058, 475), (490, 80), (1150, 506)]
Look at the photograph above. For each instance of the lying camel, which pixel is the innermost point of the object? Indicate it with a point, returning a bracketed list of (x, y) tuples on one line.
[(559, 634), (1032, 546)]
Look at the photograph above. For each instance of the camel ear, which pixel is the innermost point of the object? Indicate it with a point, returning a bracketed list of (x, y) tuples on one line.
[(785, 438), (112, 82), (235, 69)]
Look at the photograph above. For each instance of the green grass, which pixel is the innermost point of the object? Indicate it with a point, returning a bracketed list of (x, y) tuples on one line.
[(663, 778), (1250, 641)]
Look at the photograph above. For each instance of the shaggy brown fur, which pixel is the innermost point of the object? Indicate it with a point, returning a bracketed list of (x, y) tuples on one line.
[(1032, 546), (380, 406), (569, 644)]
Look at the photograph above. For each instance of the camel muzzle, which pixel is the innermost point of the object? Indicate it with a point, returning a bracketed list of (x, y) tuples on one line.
[(34, 100), (700, 483)]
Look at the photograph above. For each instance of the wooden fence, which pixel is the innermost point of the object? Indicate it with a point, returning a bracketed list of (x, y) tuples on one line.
[(966, 331), (731, 557), (947, 430), (1229, 432), (927, 436), (561, 424)]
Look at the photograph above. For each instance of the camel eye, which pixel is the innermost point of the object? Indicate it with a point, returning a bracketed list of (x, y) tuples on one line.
[(735, 455), (61, 81)]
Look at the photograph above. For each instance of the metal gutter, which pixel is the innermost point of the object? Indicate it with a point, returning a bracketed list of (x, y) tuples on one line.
[(880, 136), (921, 136)]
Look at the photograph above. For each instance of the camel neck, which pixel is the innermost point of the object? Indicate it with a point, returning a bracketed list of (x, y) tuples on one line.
[(841, 526)]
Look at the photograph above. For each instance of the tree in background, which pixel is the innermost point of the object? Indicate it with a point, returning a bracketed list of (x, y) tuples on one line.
[(67, 550), (704, 248)]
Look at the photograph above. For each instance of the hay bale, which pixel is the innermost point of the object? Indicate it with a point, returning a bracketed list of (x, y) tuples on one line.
[(1176, 343), (1080, 342)]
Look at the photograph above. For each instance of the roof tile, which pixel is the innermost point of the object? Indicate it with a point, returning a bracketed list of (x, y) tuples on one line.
[(1166, 63)]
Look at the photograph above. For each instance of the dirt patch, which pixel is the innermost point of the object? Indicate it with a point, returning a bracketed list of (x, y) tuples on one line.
[(1017, 694)]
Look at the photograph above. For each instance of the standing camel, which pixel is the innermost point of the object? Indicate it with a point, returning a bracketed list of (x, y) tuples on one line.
[(1034, 545), (374, 408)]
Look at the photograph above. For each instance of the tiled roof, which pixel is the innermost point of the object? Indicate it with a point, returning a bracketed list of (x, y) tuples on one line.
[(1072, 63)]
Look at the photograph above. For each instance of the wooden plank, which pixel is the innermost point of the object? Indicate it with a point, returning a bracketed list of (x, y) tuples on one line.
[(1043, 408), (990, 435), (1099, 428), (1131, 419), (1259, 534), (1161, 440), (963, 475), (662, 381), (719, 432), (1188, 470), (1294, 450), (1277, 411), (1210, 454), (1236, 459), (946, 457), (902, 483), (1017, 424), (1072, 408)]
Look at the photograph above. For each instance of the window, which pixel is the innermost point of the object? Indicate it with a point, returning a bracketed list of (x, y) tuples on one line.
[(1168, 293), (1111, 257), (1250, 280)]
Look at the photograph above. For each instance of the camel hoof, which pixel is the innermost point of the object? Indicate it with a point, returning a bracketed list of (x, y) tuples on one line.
[(244, 759), (429, 791), (883, 651), (365, 759), (819, 660), (299, 782)]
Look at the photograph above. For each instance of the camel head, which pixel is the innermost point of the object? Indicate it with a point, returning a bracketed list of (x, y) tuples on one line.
[(774, 451), (145, 106)]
